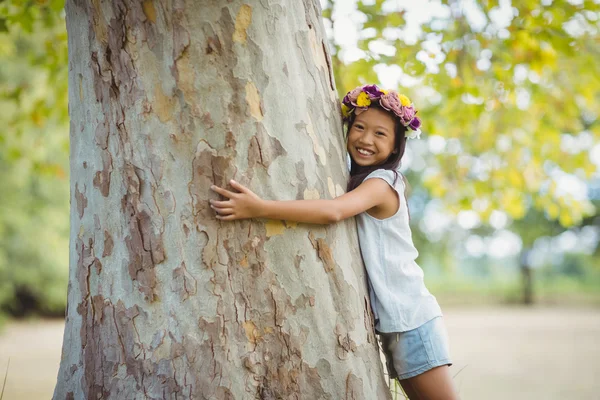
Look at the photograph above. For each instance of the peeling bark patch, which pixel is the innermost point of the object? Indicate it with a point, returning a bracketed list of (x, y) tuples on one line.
[(345, 344), (252, 333), (242, 22), (208, 168), (290, 224), (274, 227), (141, 264), (206, 118), (101, 135), (102, 178), (323, 251), (85, 261), (354, 388), (183, 283), (311, 194), (144, 243), (319, 56), (109, 339), (164, 105), (108, 244), (149, 10), (317, 148), (298, 260), (263, 149), (81, 200), (302, 182), (230, 141), (253, 100), (181, 37), (213, 44), (185, 75)]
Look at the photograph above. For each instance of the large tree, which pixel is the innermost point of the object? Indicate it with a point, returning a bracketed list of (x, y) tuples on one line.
[(167, 98)]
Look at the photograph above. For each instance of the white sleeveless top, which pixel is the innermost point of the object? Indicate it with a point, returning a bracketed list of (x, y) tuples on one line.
[(399, 298)]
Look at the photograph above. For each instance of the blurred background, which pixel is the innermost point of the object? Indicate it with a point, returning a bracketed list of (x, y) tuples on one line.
[(504, 182)]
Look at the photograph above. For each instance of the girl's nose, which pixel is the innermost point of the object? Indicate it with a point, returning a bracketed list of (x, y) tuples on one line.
[(365, 138)]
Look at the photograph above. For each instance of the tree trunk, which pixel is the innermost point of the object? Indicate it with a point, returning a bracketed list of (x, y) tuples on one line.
[(167, 98), (526, 276)]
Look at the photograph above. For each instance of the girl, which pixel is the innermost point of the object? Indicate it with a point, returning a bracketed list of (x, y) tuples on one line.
[(408, 318)]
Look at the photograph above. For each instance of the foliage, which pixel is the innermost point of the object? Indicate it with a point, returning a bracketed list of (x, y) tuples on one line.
[(513, 88), (34, 206), (501, 151)]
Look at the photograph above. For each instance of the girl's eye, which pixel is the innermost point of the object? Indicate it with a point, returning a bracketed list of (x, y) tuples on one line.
[(380, 133)]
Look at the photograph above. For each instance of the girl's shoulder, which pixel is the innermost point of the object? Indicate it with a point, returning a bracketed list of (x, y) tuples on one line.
[(393, 177)]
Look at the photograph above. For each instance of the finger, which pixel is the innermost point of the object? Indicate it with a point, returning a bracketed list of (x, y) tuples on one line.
[(223, 211), (238, 186), (226, 203), (222, 192)]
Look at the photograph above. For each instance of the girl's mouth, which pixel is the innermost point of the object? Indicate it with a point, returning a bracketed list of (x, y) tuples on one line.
[(363, 152)]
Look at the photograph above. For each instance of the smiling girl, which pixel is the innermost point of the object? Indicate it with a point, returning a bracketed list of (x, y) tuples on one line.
[(408, 318)]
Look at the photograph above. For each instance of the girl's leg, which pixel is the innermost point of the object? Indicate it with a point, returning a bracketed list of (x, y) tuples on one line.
[(435, 384)]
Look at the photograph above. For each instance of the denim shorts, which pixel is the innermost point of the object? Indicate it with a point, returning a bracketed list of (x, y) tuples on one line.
[(413, 352)]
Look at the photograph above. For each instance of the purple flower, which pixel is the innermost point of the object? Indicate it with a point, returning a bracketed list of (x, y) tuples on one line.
[(415, 123), (373, 91)]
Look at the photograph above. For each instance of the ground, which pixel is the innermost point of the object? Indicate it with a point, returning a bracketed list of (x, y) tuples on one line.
[(499, 353)]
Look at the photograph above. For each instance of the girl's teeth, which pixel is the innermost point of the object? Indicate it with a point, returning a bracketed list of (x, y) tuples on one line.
[(361, 151)]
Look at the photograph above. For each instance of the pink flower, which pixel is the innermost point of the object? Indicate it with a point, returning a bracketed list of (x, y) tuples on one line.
[(351, 97), (390, 102), (409, 114)]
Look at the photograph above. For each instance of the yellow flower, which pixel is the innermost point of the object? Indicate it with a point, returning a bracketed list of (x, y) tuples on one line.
[(345, 110), (363, 100), (384, 91), (405, 101)]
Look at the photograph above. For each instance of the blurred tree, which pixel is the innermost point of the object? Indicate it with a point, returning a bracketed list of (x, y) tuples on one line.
[(514, 89), (34, 189)]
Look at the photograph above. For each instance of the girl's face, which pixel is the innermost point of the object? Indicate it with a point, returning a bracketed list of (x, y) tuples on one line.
[(371, 138)]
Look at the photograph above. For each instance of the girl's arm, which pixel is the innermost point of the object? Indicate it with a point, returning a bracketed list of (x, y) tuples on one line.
[(246, 204)]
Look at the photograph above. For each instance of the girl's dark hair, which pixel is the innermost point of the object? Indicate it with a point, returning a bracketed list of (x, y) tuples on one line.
[(358, 173)]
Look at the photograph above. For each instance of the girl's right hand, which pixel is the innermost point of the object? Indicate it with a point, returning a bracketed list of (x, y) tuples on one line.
[(245, 204)]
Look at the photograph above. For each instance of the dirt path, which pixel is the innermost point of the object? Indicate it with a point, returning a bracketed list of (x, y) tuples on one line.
[(34, 350), (499, 353), (528, 354)]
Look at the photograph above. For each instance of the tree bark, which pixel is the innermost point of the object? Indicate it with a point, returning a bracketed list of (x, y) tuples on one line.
[(167, 98)]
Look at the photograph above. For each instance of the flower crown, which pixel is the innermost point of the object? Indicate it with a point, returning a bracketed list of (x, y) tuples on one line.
[(359, 100)]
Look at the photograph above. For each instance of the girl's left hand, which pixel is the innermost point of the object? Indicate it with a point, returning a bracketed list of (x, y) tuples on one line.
[(245, 204)]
